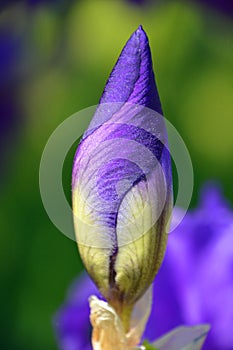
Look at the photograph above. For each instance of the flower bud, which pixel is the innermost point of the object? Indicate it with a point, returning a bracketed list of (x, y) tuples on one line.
[(122, 187)]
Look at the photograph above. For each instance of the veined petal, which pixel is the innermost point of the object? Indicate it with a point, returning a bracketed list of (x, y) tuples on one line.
[(122, 199), (131, 80)]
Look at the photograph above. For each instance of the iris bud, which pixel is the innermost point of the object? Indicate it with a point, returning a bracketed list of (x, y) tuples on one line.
[(121, 182)]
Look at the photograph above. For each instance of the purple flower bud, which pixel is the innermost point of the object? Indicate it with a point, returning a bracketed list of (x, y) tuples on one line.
[(122, 187)]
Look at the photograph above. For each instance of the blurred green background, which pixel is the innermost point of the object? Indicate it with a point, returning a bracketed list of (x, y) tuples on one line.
[(55, 58)]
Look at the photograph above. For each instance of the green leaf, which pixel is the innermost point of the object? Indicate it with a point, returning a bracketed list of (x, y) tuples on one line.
[(148, 346)]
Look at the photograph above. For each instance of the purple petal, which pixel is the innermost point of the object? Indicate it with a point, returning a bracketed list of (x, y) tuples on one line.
[(131, 80), (124, 146)]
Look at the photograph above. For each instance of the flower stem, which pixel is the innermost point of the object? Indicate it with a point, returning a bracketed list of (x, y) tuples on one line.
[(124, 312)]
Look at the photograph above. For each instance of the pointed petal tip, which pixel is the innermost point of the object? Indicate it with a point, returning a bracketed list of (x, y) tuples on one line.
[(140, 34), (140, 29), (132, 78)]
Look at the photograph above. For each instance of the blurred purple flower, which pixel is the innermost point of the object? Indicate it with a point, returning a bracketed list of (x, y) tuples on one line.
[(220, 6), (72, 325), (11, 44), (194, 284)]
